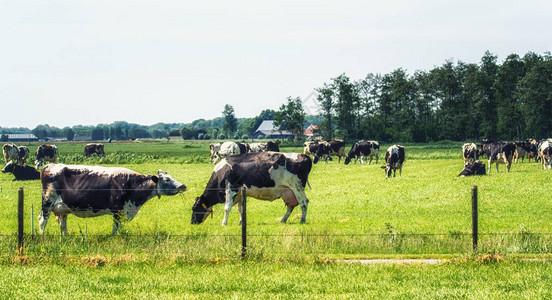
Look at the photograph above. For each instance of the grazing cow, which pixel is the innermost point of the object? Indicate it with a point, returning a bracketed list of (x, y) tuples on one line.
[(499, 152), (473, 168), (361, 150), (470, 152), (227, 149), (257, 147), (21, 172), (519, 152), (45, 153), (330, 148), (91, 191), (23, 154), (91, 149), (10, 152), (271, 146), (545, 152), (266, 175), (394, 159), (214, 149)]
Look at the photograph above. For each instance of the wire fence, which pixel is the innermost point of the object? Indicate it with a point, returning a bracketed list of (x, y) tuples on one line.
[(270, 241)]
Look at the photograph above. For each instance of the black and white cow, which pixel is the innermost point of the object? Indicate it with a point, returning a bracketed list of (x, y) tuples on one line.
[(470, 152), (244, 147), (330, 148), (394, 159), (21, 172), (473, 168), (91, 191), (361, 150), (545, 152), (531, 150), (499, 152), (45, 153), (23, 155), (94, 149), (266, 175), (10, 152), (310, 147)]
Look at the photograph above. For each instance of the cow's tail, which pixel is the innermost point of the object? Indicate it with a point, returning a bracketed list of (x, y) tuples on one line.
[(308, 183)]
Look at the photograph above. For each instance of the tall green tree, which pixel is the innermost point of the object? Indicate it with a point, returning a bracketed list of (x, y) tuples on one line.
[(489, 70), (325, 98), (536, 98), (346, 106), (291, 116), (230, 122), (510, 124)]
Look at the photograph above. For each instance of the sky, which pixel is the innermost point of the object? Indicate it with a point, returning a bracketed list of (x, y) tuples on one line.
[(67, 63)]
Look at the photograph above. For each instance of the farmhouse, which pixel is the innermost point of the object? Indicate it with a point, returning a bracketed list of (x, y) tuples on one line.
[(268, 129), (21, 137)]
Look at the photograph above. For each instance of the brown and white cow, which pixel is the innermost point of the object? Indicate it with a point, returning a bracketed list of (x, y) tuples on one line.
[(257, 147), (361, 150), (94, 149), (91, 191), (470, 152), (394, 159), (520, 151), (24, 154), (328, 149), (266, 175), (499, 152), (10, 152), (46, 153)]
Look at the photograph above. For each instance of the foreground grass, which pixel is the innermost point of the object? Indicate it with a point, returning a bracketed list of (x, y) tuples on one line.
[(505, 280)]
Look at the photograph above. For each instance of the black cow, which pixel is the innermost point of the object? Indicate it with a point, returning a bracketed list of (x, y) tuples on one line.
[(266, 175), (394, 159), (531, 151), (21, 172), (90, 191), (362, 149), (470, 152), (91, 149), (499, 152), (271, 146), (473, 168), (45, 153), (330, 148)]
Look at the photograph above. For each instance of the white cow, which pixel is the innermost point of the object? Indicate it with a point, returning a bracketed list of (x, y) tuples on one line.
[(226, 149)]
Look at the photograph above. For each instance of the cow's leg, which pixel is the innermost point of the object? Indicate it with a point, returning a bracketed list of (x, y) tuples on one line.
[(303, 201), (239, 200), (291, 202), (62, 221), (489, 163), (230, 195), (117, 217), (48, 198), (400, 170)]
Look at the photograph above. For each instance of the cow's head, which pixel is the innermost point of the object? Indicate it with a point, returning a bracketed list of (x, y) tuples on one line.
[(9, 167), (200, 211), (388, 169), (347, 159), (166, 185), (100, 150)]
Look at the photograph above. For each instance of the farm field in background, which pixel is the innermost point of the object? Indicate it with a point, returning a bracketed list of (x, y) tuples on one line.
[(353, 212)]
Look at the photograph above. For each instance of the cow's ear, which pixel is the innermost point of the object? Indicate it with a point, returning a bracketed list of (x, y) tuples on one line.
[(155, 179)]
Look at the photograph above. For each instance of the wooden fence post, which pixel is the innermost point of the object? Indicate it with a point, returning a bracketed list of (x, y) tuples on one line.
[(474, 217), (20, 215), (244, 223)]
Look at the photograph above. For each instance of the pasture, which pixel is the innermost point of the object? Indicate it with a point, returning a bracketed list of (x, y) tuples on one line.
[(354, 212)]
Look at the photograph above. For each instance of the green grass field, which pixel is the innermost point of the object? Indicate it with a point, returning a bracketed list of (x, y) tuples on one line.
[(354, 212)]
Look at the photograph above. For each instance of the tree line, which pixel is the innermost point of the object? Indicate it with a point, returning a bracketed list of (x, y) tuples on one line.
[(456, 101)]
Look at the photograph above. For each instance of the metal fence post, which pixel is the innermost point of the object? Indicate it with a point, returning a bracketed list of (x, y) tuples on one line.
[(474, 217), (20, 215), (244, 223)]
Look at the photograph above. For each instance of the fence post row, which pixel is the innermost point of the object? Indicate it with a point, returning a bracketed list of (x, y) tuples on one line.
[(20, 214), (244, 223), (474, 217)]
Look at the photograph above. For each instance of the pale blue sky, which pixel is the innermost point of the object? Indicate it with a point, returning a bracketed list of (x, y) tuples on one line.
[(66, 63)]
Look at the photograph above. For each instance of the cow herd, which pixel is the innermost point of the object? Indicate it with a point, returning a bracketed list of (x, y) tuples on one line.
[(267, 174), (499, 152)]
